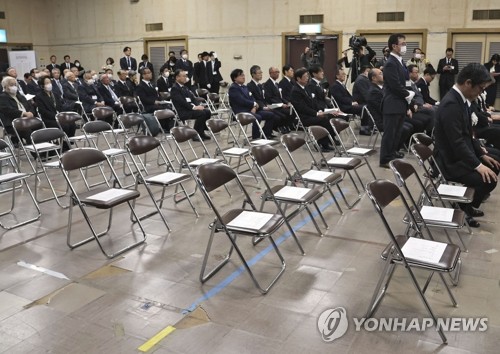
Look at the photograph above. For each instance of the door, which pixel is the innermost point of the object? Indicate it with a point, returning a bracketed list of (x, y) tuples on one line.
[(158, 51)]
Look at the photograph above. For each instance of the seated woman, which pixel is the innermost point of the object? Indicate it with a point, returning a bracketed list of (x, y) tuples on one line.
[(49, 105)]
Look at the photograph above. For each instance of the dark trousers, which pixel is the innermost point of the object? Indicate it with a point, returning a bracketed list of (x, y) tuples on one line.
[(393, 124), (200, 118), (444, 87), (481, 188), (322, 122), (270, 120)]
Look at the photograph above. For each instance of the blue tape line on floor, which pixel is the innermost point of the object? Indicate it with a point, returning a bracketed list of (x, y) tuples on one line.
[(219, 287)]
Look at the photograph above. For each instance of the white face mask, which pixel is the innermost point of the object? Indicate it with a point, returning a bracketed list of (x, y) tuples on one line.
[(214, 55), (90, 82), (94, 77), (48, 87), (184, 56), (110, 76), (13, 89), (37, 76), (403, 50), (77, 64), (418, 56)]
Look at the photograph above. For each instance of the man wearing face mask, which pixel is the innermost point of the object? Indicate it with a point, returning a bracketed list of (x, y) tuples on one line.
[(418, 60), (88, 93), (33, 88), (185, 64), (396, 99), (164, 82), (14, 105), (216, 75)]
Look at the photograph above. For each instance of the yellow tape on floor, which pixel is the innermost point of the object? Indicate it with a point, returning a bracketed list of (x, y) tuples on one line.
[(156, 338)]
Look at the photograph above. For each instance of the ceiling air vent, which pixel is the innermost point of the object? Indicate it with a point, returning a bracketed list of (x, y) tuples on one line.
[(486, 14), (390, 16), (150, 27), (305, 19)]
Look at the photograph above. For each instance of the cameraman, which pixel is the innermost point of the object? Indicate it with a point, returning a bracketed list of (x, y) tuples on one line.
[(313, 56), (357, 63)]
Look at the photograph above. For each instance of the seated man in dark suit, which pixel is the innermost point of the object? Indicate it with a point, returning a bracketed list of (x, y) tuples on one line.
[(423, 85), (163, 83), (306, 108), (89, 95), (315, 89), (361, 86), (273, 95), (57, 84), (459, 155), (286, 83), (70, 92), (32, 87), (240, 100), (109, 96), (147, 93), (343, 97), (14, 105), (123, 86), (422, 117), (258, 93), (185, 104)]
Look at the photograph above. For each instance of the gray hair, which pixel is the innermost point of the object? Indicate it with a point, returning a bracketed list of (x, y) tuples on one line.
[(6, 80)]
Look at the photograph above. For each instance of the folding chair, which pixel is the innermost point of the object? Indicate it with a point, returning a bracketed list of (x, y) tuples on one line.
[(453, 219), (106, 114), (243, 121), (376, 132), (236, 222), (299, 197), (215, 127), (104, 198), (132, 124), (64, 118), (216, 106), (421, 138), (292, 142), (339, 126), (129, 104), (140, 145), (347, 164), (48, 144), (10, 175), (24, 127), (404, 250)]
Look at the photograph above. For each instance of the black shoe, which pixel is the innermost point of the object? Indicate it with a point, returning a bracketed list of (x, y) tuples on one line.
[(272, 136), (472, 222), (486, 197), (473, 212), (365, 131), (204, 137), (384, 165), (399, 155), (196, 139)]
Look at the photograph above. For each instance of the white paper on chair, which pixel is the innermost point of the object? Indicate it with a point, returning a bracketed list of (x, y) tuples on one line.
[(42, 146), (235, 151), (109, 194), (275, 105), (290, 192), (314, 175), (4, 154), (454, 191), (340, 160), (437, 213), (166, 177), (423, 250), (113, 151), (261, 142), (358, 151), (202, 161), (252, 220)]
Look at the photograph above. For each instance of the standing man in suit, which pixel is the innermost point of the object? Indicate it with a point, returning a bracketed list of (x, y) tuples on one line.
[(67, 64), (396, 99), (241, 101), (53, 64), (127, 62), (216, 75), (185, 104), (459, 155), (286, 83), (204, 72), (447, 69), (145, 63), (186, 65)]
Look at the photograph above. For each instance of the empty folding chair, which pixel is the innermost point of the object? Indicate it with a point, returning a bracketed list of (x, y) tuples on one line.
[(438, 217), (216, 106), (341, 126), (129, 104), (421, 138), (245, 120), (64, 118), (215, 127), (48, 145), (410, 252), (299, 197), (376, 131), (236, 222), (327, 179), (132, 124), (141, 145), (347, 164), (10, 176), (103, 198), (107, 114)]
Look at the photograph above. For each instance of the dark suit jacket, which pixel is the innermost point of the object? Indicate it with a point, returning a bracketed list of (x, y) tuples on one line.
[(423, 86), (272, 93), (148, 96), (447, 77), (203, 73), (23, 85), (303, 103), (457, 153), (48, 106), (163, 84), (124, 64), (53, 66), (395, 77), (122, 89), (148, 65), (70, 92), (318, 94), (342, 96), (106, 95), (240, 99), (63, 66), (33, 88), (9, 109), (286, 88), (257, 92), (216, 65), (360, 89), (185, 65), (55, 88), (89, 95), (375, 95), (183, 100)]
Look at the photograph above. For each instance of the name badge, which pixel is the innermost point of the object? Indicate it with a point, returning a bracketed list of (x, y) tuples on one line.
[(214, 73), (188, 100), (408, 83), (452, 67), (94, 97)]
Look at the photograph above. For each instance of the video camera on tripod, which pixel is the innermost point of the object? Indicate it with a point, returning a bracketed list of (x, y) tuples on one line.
[(356, 43), (317, 51)]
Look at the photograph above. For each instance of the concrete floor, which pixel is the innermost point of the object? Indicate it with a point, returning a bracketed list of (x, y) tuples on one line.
[(115, 306)]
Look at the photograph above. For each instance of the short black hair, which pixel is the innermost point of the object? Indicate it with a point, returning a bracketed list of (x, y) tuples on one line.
[(364, 68), (449, 50), (411, 67), (254, 69), (315, 69), (415, 50), (235, 73), (394, 39), (299, 73), (177, 72), (41, 81), (371, 74), (183, 51), (429, 71), (126, 48), (171, 52), (144, 57), (286, 68), (475, 72), (66, 56)]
